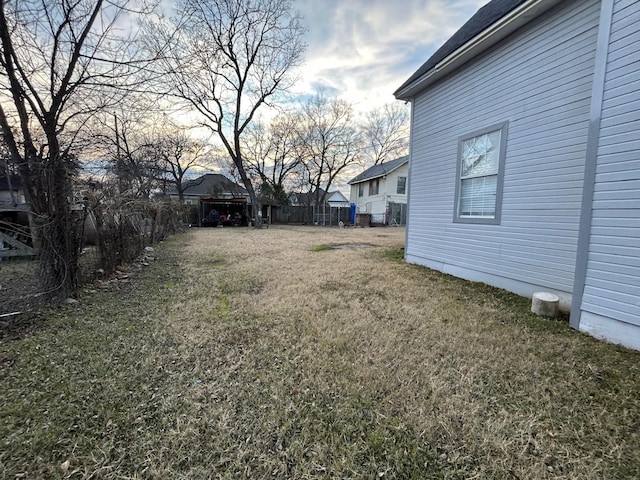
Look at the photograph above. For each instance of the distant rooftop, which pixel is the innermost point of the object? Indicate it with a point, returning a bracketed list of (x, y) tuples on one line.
[(211, 184), (379, 170)]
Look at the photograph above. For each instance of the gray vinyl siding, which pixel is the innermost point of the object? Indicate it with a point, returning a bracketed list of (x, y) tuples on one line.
[(539, 80), (612, 284)]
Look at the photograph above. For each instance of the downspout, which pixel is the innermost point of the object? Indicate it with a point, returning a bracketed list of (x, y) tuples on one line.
[(591, 161)]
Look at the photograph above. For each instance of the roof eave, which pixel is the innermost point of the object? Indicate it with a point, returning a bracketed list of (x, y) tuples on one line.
[(361, 180), (478, 44), (384, 174)]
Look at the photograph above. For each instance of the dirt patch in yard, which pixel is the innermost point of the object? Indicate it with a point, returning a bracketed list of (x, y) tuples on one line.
[(342, 246)]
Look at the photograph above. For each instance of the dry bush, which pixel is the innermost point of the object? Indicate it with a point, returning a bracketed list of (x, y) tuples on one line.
[(123, 227)]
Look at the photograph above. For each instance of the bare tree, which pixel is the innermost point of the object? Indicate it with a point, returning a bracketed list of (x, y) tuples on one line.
[(176, 153), (56, 58), (122, 141), (330, 143), (385, 132), (273, 155), (226, 59)]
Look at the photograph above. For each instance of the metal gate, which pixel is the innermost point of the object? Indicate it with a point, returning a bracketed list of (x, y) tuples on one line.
[(397, 214)]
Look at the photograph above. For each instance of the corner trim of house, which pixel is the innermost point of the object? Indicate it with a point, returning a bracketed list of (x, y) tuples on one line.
[(408, 185), (591, 160)]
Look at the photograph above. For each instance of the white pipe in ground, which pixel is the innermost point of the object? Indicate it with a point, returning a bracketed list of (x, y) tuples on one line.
[(545, 304)]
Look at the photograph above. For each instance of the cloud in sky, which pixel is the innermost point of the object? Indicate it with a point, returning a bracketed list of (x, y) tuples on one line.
[(363, 50)]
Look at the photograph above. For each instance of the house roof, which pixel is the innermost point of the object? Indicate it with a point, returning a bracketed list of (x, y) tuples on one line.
[(379, 170), (336, 198), (479, 29), (212, 185)]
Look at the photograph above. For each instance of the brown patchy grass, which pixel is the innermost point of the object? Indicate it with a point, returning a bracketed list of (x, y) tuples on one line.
[(306, 352)]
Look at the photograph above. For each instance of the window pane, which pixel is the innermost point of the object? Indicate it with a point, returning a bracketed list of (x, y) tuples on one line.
[(402, 185), (478, 197), (373, 187), (480, 155)]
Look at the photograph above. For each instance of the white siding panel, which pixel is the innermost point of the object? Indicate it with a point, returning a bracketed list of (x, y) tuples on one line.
[(621, 129), (603, 267), (621, 8), (539, 80), (608, 307), (612, 284)]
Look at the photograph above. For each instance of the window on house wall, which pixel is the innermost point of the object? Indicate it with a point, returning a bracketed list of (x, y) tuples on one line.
[(374, 186), (402, 186), (480, 170), (361, 189)]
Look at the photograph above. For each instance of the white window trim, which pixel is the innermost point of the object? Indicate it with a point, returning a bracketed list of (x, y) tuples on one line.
[(495, 220), (398, 182), (377, 190)]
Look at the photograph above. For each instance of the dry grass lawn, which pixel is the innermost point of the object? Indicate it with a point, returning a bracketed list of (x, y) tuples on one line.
[(305, 352)]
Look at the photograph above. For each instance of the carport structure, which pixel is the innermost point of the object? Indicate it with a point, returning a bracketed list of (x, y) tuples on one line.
[(232, 211), (215, 192)]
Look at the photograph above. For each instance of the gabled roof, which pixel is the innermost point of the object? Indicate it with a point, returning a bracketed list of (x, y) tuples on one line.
[(336, 197), (489, 25), (379, 170), (212, 185)]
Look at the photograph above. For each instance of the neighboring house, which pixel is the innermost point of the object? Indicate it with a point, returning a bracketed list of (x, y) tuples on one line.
[(339, 208), (525, 157), (336, 199), (381, 192), (304, 209), (213, 192)]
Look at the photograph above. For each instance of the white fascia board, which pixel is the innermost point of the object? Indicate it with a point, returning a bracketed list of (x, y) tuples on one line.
[(478, 44)]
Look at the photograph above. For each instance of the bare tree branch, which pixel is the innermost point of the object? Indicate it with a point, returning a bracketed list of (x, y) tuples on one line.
[(331, 142), (386, 133), (53, 83), (225, 59)]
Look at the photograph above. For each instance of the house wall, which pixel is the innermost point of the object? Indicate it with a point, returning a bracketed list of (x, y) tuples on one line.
[(610, 306), (392, 185), (377, 204), (539, 81)]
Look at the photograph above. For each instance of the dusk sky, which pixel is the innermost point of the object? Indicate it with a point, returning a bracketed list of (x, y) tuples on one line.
[(363, 50)]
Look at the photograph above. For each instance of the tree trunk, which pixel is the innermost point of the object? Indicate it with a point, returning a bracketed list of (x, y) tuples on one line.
[(256, 206), (59, 244), (58, 230)]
